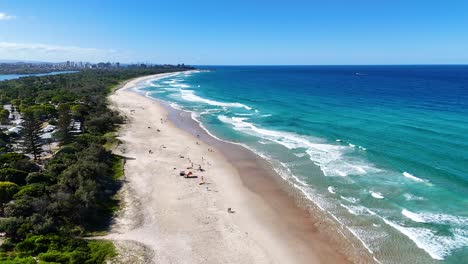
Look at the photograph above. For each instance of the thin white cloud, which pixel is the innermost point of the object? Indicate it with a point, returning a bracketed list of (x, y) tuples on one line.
[(28, 51), (4, 16)]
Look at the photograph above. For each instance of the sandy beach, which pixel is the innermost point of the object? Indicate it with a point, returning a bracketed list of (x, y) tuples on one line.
[(167, 218)]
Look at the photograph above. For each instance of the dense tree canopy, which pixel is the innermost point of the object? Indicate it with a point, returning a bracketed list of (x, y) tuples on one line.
[(48, 204)]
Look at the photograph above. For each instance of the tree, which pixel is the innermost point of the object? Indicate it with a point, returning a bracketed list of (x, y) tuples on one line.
[(79, 112), (31, 134), (4, 114), (7, 190), (64, 119), (13, 175)]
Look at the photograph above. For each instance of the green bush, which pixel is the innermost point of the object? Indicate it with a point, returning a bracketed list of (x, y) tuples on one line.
[(7, 190), (31, 190), (100, 250), (13, 175)]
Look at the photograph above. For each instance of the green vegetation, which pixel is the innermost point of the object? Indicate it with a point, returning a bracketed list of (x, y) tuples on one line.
[(31, 133), (118, 167), (48, 206), (59, 249), (111, 140)]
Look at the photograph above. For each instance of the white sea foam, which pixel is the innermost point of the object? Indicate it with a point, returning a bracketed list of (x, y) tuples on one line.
[(412, 216), (302, 187), (412, 177), (356, 209), (300, 155), (437, 246), (189, 95), (376, 195), (209, 111), (328, 157), (350, 199), (410, 197), (350, 210), (436, 218), (179, 85), (176, 106)]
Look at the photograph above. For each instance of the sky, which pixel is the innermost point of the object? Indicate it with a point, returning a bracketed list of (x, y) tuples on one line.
[(240, 32)]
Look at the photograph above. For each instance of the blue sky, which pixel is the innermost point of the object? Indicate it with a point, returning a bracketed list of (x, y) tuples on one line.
[(237, 32)]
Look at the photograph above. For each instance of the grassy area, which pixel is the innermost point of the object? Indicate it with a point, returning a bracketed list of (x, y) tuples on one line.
[(111, 140), (58, 249), (117, 167)]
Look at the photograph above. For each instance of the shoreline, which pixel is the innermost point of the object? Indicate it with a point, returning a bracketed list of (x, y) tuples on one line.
[(283, 227)]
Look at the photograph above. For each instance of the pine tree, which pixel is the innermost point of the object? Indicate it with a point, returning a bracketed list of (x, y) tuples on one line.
[(64, 119), (31, 134)]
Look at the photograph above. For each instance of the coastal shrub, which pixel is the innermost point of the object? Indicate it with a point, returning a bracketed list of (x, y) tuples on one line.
[(23, 207), (7, 190), (10, 226), (63, 249), (6, 259), (103, 123), (117, 166), (9, 159), (17, 161), (31, 190), (110, 140), (100, 250), (86, 139), (72, 193), (13, 175), (38, 177)]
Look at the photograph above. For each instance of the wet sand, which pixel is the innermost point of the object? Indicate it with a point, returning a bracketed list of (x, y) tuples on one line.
[(180, 221)]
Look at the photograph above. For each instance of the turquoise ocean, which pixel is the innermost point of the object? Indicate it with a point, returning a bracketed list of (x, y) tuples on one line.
[(382, 149)]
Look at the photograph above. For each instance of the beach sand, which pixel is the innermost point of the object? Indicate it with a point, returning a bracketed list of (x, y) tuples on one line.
[(167, 218)]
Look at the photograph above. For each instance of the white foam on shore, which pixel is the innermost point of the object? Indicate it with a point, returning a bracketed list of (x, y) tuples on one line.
[(376, 195), (350, 199), (189, 95), (436, 218), (437, 246), (412, 216), (357, 209), (303, 187), (327, 156), (324, 153), (359, 238), (412, 177)]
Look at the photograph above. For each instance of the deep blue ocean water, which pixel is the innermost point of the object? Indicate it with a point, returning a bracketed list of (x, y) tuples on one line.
[(383, 149)]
